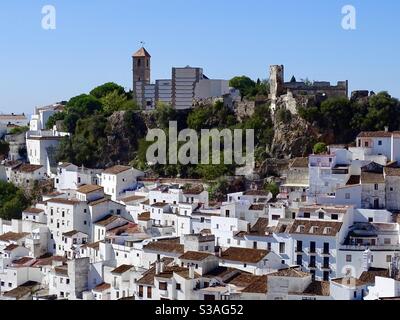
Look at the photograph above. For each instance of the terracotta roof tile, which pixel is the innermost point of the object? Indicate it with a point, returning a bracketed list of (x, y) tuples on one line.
[(117, 169), (122, 269), (195, 256), (243, 255), (12, 236), (165, 246), (259, 285), (89, 188), (102, 287)]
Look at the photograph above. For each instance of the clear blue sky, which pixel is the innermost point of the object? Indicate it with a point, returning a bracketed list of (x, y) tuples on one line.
[(94, 41)]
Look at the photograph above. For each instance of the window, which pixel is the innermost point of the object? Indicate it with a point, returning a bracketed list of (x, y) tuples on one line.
[(391, 189), (149, 292), (326, 248), (245, 265), (299, 260), (321, 215), (387, 241), (67, 281), (140, 292), (348, 258), (379, 142), (217, 226), (178, 286), (163, 286), (85, 222), (376, 186), (312, 246), (334, 217), (275, 217), (370, 220), (328, 230), (281, 247), (307, 215), (301, 229), (355, 294), (312, 262), (299, 246), (347, 196), (326, 276), (388, 258)]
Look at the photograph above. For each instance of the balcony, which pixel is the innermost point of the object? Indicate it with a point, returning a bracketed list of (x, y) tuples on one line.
[(325, 253), (326, 267), (298, 250), (372, 248), (312, 252)]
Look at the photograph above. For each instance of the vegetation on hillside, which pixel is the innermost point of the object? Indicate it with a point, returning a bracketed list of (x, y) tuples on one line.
[(248, 88), (12, 201), (346, 118)]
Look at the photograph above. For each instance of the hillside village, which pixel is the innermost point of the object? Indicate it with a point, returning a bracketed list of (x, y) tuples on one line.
[(329, 232)]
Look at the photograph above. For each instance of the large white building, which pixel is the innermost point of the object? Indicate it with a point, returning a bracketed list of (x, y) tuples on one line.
[(186, 84)]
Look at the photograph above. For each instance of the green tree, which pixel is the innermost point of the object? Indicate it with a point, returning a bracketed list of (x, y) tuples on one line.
[(164, 113), (59, 116), (244, 84), (19, 130), (84, 105), (12, 201), (116, 101), (273, 188), (105, 89), (320, 148)]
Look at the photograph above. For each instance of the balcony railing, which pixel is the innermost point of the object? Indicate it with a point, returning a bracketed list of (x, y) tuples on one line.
[(375, 247)]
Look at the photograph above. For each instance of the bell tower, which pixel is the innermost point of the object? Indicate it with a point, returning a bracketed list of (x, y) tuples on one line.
[(141, 66)]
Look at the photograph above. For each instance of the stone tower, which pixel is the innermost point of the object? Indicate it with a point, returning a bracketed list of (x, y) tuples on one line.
[(277, 83), (276, 80), (141, 68)]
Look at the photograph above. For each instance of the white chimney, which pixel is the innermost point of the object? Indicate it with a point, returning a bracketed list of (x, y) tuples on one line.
[(161, 266), (191, 271), (386, 129), (158, 267), (366, 264)]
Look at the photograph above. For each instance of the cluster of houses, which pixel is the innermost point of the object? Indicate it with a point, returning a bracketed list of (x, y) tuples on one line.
[(332, 233)]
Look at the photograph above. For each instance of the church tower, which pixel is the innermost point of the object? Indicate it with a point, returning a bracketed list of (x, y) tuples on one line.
[(141, 73), (141, 66)]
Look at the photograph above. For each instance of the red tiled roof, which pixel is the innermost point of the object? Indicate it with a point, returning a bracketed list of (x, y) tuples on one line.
[(102, 287), (243, 255)]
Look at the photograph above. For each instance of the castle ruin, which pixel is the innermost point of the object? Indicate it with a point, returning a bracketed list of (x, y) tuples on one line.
[(294, 93)]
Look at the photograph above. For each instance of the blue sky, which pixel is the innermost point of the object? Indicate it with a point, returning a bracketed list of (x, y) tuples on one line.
[(94, 41)]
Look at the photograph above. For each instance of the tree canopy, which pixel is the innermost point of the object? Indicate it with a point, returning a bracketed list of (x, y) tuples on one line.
[(105, 89), (12, 201)]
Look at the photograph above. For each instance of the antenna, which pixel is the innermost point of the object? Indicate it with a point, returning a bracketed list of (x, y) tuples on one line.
[(142, 43)]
